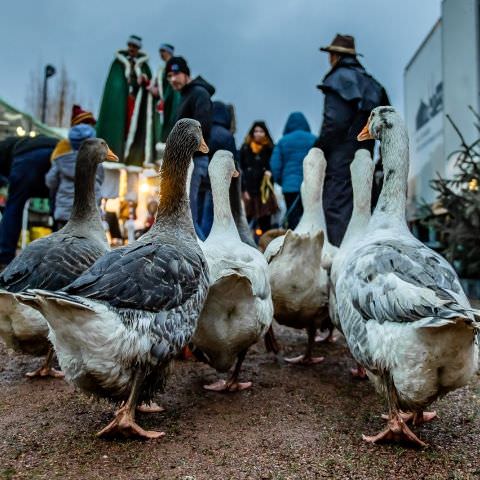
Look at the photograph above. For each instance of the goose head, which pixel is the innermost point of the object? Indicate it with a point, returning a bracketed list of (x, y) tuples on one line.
[(184, 140), (222, 167), (95, 151), (380, 121), (314, 166)]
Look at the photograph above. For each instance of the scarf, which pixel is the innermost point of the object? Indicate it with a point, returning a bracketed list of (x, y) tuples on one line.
[(257, 147)]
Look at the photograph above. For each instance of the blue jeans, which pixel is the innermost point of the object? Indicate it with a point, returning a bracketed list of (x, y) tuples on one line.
[(200, 197), (26, 180)]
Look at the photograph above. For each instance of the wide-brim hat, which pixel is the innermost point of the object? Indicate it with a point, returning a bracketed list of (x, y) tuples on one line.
[(342, 44)]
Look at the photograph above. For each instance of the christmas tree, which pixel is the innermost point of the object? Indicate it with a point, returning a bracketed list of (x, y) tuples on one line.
[(458, 225)]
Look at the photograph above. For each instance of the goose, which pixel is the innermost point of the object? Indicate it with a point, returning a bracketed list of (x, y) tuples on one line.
[(117, 328), (238, 310), (52, 262), (361, 170), (299, 282), (238, 211), (401, 307)]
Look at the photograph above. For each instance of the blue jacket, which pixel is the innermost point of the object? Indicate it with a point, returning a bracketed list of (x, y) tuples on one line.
[(287, 157), (60, 179), (221, 138)]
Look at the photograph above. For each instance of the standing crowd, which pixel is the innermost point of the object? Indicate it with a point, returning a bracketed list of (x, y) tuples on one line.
[(139, 109)]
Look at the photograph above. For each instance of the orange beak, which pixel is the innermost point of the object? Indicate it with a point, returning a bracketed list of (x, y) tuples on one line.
[(235, 174), (111, 156), (365, 134), (203, 147)]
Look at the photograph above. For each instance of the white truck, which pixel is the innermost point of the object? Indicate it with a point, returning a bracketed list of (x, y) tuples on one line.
[(443, 77)]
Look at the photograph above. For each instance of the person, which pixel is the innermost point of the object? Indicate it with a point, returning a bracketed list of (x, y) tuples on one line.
[(255, 156), (30, 162), (126, 119), (350, 94), (195, 103), (78, 116), (168, 98), (60, 179), (287, 163)]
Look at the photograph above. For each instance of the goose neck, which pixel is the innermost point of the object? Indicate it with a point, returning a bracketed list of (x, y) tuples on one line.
[(85, 203), (223, 221), (393, 198)]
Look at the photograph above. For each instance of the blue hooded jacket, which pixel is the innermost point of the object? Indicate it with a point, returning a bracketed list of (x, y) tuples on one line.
[(287, 157)]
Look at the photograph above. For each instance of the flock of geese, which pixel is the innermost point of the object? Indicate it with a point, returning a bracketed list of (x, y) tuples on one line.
[(117, 318)]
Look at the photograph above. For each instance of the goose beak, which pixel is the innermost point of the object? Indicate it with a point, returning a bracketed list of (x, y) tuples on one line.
[(203, 147), (365, 134), (235, 174), (111, 156)]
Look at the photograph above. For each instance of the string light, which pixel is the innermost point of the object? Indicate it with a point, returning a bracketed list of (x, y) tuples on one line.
[(473, 185)]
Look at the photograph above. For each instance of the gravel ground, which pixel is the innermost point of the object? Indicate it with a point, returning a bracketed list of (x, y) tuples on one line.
[(295, 423)]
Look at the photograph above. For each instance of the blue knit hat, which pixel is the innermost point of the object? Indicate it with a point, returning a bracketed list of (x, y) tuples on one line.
[(168, 48), (79, 133)]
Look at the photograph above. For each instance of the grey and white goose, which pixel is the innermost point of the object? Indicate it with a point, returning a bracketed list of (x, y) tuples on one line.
[(402, 309), (117, 328), (54, 261)]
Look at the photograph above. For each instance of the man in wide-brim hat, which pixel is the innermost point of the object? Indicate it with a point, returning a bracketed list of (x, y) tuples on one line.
[(350, 94)]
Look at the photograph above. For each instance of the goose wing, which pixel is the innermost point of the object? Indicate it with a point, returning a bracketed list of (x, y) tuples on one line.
[(144, 276), (396, 282), (50, 263)]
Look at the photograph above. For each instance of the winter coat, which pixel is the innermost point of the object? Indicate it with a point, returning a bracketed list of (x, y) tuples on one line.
[(253, 167), (221, 138), (60, 179), (350, 95), (289, 152), (196, 104)]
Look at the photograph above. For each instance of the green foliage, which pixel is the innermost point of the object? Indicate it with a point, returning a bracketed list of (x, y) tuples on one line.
[(459, 226)]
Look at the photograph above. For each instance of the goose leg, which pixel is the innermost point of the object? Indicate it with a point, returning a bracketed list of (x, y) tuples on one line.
[(416, 418), (271, 344), (397, 430), (232, 384), (307, 358), (124, 421), (46, 370)]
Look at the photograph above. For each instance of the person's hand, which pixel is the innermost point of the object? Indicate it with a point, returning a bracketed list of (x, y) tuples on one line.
[(246, 196), (268, 173)]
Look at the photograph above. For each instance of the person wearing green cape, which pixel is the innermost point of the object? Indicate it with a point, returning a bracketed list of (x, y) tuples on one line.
[(168, 99), (127, 119)]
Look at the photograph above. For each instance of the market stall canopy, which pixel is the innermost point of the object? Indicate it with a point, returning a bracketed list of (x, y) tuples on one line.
[(15, 122)]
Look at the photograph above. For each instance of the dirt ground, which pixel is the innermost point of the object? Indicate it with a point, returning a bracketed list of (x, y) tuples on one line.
[(295, 423)]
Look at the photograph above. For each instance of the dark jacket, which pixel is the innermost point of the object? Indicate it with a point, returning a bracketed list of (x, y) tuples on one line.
[(221, 138), (289, 152), (196, 104), (253, 167), (350, 95)]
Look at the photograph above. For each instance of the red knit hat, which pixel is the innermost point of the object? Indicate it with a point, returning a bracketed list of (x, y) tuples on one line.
[(81, 116)]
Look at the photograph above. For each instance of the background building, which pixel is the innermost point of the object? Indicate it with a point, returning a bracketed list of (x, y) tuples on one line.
[(443, 77)]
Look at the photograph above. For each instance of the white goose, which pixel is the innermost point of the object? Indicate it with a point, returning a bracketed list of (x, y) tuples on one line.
[(361, 170), (238, 309), (401, 307), (117, 328), (300, 285)]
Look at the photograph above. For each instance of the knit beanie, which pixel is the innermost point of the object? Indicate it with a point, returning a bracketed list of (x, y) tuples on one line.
[(177, 65), (135, 40), (168, 48), (79, 133), (81, 116)]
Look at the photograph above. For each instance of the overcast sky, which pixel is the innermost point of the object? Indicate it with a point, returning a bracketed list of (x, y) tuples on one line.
[(261, 55)]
